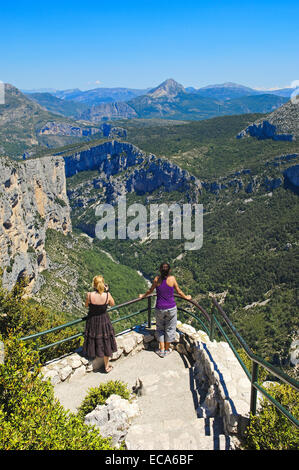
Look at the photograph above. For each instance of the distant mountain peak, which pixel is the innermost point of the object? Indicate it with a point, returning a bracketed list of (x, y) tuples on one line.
[(227, 85), (169, 88)]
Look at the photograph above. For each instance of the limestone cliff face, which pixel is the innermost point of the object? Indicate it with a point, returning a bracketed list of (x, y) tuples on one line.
[(104, 111), (110, 158), (143, 173), (291, 178), (32, 198), (281, 124), (67, 129), (276, 173)]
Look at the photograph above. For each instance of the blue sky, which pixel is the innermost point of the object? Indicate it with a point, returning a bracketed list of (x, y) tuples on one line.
[(139, 44)]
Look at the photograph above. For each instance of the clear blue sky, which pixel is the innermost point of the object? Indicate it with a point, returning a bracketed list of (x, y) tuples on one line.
[(139, 44)]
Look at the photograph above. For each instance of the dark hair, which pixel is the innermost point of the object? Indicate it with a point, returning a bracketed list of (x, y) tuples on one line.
[(164, 272)]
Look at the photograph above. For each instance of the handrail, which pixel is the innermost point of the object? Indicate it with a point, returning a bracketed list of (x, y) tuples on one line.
[(212, 320), (274, 370), (256, 361), (116, 307)]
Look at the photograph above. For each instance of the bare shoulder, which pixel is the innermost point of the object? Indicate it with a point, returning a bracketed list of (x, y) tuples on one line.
[(171, 280)]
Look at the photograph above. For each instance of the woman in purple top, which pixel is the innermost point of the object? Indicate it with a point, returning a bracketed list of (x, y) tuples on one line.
[(166, 309)]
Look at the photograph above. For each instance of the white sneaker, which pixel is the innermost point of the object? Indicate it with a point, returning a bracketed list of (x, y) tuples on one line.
[(167, 352), (160, 353)]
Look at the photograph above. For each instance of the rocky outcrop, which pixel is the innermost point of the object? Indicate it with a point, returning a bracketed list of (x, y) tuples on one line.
[(114, 418), (144, 174), (248, 182), (264, 130), (32, 199), (61, 128), (108, 111), (281, 124), (67, 129), (110, 158), (294, 351), (291, 178)]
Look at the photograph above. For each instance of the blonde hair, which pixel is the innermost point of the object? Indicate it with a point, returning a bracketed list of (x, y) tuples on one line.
[(99, 284)]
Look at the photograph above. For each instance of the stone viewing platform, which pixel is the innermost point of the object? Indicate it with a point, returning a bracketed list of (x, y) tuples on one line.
[(196, 398)]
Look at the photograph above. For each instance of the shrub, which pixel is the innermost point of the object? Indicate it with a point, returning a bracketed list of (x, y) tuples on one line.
[(98, 396), (30, 417), (23, 317), (270, 429), (262, 372)]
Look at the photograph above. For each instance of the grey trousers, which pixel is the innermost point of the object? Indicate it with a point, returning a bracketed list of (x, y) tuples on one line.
[(166, 321)]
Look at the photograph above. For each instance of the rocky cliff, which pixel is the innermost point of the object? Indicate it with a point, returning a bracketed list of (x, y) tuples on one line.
[(108, 111), (144, 173), (109, 157), (282, 124), (291, 178), (272, 176), (32, 199), (67, 129)]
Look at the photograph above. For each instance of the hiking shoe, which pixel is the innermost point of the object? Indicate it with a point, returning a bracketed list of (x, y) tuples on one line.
[(167, 352), (160, 353)]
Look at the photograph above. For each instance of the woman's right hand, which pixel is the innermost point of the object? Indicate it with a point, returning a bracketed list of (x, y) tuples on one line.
[(188, 297)]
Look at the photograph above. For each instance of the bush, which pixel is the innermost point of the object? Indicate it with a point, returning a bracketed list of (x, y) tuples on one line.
[(23, 317), (30, 417), (262, 372), (98, 396), (270, 429)]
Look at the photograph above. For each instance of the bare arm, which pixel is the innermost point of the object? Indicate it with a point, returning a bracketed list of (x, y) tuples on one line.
[(87, 300), (180, 292), (111, 301), (151, 289)]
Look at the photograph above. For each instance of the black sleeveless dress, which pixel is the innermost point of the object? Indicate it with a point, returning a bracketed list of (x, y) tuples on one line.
[(99, 335)]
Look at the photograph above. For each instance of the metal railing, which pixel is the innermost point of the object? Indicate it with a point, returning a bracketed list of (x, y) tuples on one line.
[(209, 328), (256, 361)]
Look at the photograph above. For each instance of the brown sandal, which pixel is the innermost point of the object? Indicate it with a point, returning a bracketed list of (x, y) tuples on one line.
[(109, 369)]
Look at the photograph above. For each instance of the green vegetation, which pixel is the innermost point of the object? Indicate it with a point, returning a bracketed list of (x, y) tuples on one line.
[(30, 417), (99, 395), (21, 121), (24, 316), (57, 105), (194, 106), (249, 254), (207, 149), (74, 260), (270, 429)]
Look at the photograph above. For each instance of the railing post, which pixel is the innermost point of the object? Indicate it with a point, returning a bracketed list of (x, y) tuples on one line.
[(212, 324), (149, 312), (253, 397)]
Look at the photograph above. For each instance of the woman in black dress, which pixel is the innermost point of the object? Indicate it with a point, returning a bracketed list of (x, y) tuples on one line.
[(99, 336)]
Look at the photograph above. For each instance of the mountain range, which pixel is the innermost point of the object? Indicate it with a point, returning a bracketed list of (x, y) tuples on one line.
[(169, 100), (226, 90), (247, 185)]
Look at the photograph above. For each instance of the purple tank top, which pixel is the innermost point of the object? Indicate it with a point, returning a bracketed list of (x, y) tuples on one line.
[(165, 297)]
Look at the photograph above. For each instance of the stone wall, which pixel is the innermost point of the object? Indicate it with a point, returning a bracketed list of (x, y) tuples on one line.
[(220, 379)]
